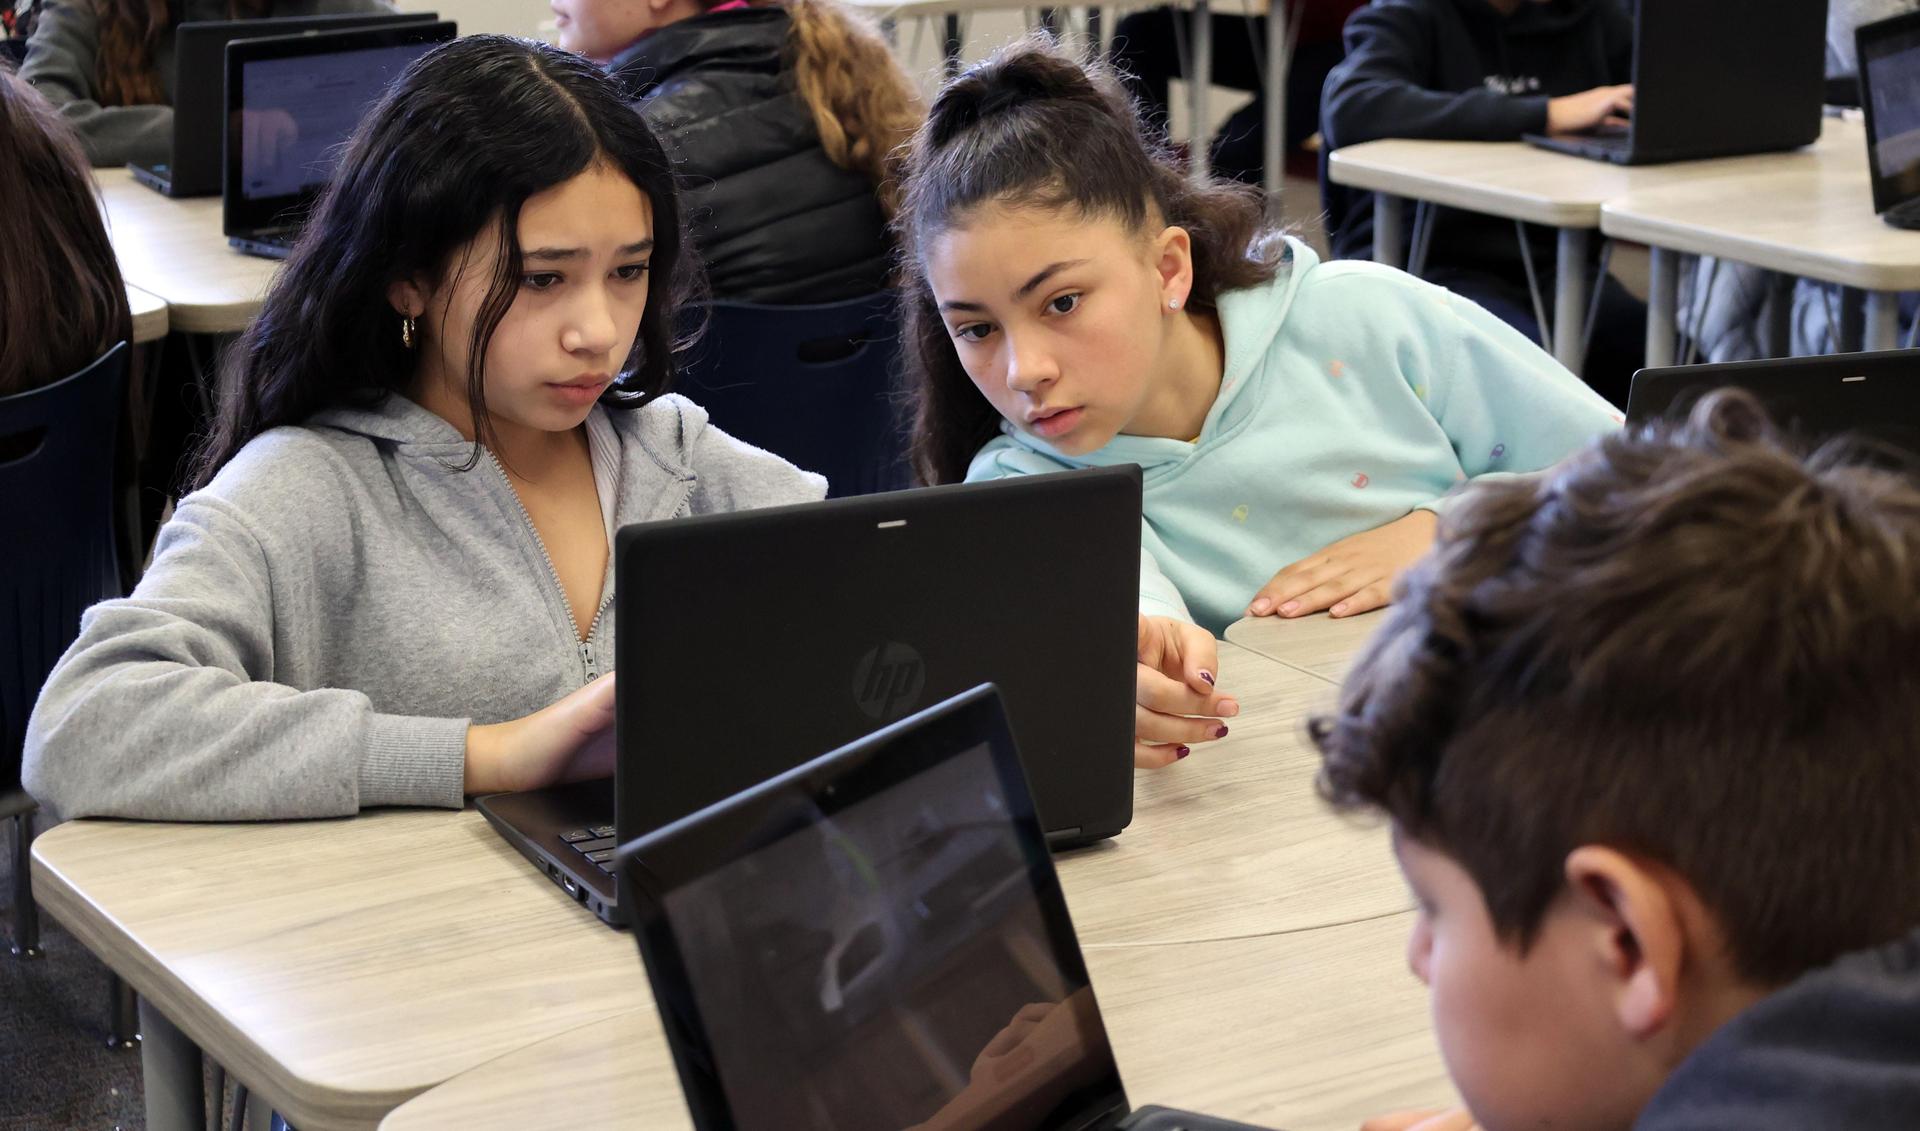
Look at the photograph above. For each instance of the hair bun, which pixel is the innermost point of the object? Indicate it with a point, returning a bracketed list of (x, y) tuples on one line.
[(1029, 71)]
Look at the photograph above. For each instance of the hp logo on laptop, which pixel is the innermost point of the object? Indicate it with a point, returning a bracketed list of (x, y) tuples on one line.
[(888, 680)]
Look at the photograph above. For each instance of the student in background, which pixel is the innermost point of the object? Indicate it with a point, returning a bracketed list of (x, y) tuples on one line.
[(392, 586), (56, 244), (782, 117), (1645, 729), (1075, 300), (108, 65), (1487, 70), (1147, 53)]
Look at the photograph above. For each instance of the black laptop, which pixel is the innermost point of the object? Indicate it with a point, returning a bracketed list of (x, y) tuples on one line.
[(750, 642), (199, 47), (1890, 93), (1815, 399), (292, 103), (1716, 78), (877, 940)]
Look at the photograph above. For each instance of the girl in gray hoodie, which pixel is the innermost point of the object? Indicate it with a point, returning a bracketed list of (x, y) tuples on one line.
[(392, 585)]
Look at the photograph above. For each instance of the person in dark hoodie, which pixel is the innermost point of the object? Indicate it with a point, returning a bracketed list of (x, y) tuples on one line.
[(1645, 728), (782, 117), (1486, 70)]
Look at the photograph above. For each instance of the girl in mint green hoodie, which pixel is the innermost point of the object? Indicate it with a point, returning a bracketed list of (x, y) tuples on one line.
[(1073, 300)]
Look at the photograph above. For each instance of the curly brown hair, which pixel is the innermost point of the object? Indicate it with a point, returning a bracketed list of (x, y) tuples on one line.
[(124, 71), (1032, 126), (1689, 643), (864, 105)]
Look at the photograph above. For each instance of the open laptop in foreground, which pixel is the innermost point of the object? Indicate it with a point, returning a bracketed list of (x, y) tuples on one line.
[(199, 47), (1715, 78), (748, 643), (292, 103), (1815, 399), (1890, 93), (877, 940)]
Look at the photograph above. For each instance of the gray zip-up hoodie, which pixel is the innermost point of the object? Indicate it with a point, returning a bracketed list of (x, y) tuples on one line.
[(321, 623)]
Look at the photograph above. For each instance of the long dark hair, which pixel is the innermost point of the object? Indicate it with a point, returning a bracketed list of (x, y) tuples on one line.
[(59, 282), (464, 137), (1032, 126)]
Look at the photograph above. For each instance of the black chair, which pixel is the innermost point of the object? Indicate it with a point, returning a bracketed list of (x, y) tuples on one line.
[(57, 448), (811, 384)]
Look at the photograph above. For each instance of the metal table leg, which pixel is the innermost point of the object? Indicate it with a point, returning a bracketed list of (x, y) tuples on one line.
[(1273, 143), (1570, 299), (170, 1071), (1663, 295), (1388, 214), (1199, 84), (1777, 334), (1883, 321)]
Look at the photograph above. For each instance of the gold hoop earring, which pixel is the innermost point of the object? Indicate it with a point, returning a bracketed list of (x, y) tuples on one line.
[(406, 331)]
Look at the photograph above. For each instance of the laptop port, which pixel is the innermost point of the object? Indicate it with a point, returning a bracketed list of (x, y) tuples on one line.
[(573, 889)]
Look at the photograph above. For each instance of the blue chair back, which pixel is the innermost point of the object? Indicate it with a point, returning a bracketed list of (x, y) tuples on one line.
[(57, 447), (811, 384)]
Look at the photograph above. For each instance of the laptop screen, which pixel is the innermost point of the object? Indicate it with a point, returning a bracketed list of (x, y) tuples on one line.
[(1890, 80), (884, 958), (293, 102), (299, 110)]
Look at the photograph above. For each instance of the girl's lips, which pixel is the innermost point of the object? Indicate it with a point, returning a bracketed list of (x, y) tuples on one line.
[(1058, 423)]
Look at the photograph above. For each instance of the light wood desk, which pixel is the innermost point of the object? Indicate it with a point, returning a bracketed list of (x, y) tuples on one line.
[(1521, 182), (175, 249), (149, 315), (1312, 1031), (1320, 645), (1806, 218), (341, 967)]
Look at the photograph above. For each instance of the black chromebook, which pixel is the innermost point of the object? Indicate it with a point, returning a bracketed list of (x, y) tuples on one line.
[(877, 940), (748, 643), (1873, 396), (1715, 78), (192, 167)]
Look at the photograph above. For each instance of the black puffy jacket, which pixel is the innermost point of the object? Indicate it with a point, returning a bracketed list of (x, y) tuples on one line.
[(774, 220)]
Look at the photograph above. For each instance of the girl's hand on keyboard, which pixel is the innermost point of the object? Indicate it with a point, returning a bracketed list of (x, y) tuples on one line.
[(1590, 109), (572, 740)]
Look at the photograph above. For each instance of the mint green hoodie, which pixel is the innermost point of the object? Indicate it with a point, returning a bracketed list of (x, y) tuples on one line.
[(1352, 395)]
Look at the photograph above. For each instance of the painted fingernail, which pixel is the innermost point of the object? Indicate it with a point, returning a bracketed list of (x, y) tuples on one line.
[(1208, 677), (1287, 609), (1181, 752), (1228, 708), (1221, 733), (1260, 607)]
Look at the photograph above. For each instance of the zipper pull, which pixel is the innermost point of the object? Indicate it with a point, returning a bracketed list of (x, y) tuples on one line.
[(586, 661)]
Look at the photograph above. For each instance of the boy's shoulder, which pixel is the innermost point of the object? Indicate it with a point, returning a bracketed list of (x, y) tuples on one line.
[(1834, 1048)]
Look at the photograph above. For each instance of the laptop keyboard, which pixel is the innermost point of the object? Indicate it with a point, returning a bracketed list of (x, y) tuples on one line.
[(596, 844)]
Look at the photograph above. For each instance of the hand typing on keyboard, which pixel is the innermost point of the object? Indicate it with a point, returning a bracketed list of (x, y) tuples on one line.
[(572, 740), (1590, 110)]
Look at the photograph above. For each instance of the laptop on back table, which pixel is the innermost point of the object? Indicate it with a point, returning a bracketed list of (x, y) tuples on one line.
[(1890, 94), (1715, 78)]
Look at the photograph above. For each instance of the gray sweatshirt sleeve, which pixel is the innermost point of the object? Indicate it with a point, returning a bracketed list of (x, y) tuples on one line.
[(733, 475), (60, 63), (164, 707)]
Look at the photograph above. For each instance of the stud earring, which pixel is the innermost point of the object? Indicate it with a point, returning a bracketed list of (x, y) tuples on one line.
[(1173, 304), (406, 331)]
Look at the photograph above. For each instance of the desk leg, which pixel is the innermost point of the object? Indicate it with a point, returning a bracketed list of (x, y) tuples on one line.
[(951, 49), (1778, 340), (1883, 321), (1663, 296), (170, 1071), (1199, 92), (1273, 131), (1570, 299), (1389, 212)]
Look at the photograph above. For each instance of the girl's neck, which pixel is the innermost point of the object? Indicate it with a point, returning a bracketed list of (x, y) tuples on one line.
[(1186, 378), (528, 454)]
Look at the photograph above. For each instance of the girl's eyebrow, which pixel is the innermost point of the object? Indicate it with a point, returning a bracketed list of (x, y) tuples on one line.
[(558, 254), (1026, 288)]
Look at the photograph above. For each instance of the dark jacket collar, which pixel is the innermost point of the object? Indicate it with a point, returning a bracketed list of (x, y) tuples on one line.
[(754, 40)]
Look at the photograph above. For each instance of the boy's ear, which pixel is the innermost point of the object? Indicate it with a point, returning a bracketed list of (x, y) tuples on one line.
[(1638, 935), (1173, 261)]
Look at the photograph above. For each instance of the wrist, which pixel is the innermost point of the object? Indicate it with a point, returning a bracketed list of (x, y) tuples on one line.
[(483, 759)]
